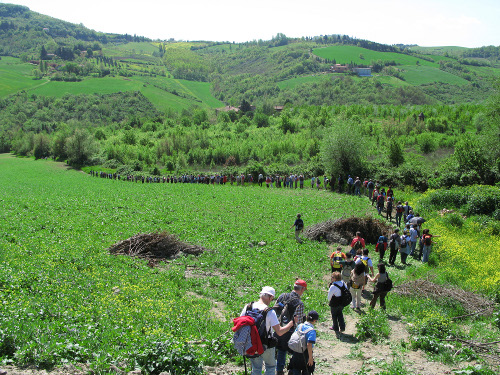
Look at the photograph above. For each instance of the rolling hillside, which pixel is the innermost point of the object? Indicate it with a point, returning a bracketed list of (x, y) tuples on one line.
[(51, 57)]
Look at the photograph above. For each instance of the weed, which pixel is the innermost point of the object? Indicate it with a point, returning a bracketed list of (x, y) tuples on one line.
[(374, 326)]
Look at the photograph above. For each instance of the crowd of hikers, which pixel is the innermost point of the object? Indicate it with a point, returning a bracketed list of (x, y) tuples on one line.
[(266, 334)]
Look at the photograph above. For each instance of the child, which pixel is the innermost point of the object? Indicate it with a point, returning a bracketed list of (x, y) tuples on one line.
[(303, 363)]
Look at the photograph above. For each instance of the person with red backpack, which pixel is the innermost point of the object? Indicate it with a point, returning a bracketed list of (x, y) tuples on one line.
[(427, 240), (271, 321)]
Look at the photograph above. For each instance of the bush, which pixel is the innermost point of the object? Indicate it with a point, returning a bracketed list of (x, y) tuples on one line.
[(373, 325), (174, 357), (454, 220)]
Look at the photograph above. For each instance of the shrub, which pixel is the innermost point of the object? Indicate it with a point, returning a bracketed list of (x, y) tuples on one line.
[(454, 220), (373, 325), (174, 357)]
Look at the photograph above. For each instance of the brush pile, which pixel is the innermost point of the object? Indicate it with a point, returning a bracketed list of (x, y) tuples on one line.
[(424, 288), (335, 231), (154, 246)]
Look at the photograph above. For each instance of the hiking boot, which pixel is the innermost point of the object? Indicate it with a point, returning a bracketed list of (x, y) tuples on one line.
[(280, 372)]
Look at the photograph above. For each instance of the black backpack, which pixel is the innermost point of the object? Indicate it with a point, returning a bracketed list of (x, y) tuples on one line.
[(285, 310), (345, 297), (260, 316)]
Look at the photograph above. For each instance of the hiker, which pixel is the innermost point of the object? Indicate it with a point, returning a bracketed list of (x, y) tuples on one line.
[(381, 246), (268, 356), (357, 186), (406, 211), (370, 185), (394, 245), (399, 213), (299, 225), (367, 262), (405, 246), (336, 259), (380, 203), (409, 217), (303, 363), (347, 267), (357, 283), (295, 308), (350, 185), (380, 288), (336, 308), (413, 238), (388, 209), (357, 243), (427, 240)]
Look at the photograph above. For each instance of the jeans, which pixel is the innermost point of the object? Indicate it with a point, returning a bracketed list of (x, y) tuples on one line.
[(280, 360), (266, 358), (426, 253), (412, 247), (398, 218), (338, 318), (356, 190)]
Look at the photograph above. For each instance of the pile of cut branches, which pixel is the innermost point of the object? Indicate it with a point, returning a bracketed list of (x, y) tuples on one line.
[(154, 246), (424, 288), (333, 231)]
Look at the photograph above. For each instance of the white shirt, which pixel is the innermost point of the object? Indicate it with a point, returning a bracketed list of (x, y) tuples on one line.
[(334, 291), (271, 318)]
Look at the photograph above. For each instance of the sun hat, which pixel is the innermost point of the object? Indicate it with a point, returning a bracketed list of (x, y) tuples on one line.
[(300, 282), (268, 290)]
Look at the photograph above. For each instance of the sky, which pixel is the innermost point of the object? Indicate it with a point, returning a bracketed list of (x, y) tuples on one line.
[(465, 23)]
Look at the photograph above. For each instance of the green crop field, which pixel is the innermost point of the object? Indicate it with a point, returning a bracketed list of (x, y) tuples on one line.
[(133, 48), (59, 281), (16, 75), (419, 75), (65, 298), (346, 54), (158, 90), (452, 50)]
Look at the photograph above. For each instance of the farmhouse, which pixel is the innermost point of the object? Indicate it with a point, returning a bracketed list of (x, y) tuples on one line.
[(338, 68), (363, 72)]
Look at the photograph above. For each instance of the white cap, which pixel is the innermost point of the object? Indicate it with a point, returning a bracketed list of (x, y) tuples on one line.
[(268, 290)]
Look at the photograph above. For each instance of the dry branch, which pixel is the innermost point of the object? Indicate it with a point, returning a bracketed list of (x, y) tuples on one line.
[(424, 288), (154, 246)]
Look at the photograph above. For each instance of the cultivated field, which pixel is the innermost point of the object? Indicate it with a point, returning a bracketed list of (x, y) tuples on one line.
[(66, 299)]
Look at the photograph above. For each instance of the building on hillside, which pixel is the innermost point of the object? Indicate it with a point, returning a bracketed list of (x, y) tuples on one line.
[(279, 108), (363, 72), (227, 108), (338, 68)]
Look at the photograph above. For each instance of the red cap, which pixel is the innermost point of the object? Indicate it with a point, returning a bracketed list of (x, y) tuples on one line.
[(301, 283)]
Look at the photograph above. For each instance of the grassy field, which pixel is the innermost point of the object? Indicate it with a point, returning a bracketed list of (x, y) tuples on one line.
[(159, 90), (15, 76), (66, 299), (419, 75), (346, 54)]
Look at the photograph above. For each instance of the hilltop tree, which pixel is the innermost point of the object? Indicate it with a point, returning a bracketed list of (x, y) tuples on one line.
[(343, 149)]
